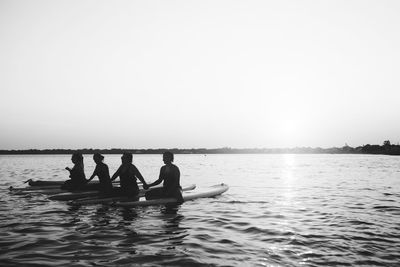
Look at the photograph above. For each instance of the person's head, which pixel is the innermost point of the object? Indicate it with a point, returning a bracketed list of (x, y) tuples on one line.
[(97, 157), (77, 158), (126, 158), (168, 157)]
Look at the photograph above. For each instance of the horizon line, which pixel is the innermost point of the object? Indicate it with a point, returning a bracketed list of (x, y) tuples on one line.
[(345, 147), (203, 148)]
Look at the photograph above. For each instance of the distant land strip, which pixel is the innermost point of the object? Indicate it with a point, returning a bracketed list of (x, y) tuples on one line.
[(386, 149)]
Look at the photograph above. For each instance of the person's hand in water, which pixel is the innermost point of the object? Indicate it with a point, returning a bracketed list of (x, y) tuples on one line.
[(68, 169)]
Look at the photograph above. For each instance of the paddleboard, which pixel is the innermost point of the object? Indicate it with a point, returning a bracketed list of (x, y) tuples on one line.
[(33, 188), (73, 195), (51, 191), (100, 200), (36, 188), (40, 183), (44, 183), (78, 195), (49, 187), (209, 192)]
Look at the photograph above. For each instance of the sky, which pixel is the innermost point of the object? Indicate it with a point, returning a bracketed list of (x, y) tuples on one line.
[(198, 74)]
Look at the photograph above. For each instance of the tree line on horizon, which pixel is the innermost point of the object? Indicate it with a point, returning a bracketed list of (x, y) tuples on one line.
[(385, 149)]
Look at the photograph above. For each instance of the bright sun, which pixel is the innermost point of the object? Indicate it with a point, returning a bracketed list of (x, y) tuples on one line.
[(291, 131)]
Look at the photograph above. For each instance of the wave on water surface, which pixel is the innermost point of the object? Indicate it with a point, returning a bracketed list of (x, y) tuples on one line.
[(311, 210)]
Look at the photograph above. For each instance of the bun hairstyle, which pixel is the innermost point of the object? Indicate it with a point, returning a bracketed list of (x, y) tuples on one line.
[(98, 156)]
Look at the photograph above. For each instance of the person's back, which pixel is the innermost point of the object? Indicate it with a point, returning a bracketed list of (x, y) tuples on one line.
[(171, 176), (77, 174), (102, 172), (127, 178), (104, 177), (127, 174)]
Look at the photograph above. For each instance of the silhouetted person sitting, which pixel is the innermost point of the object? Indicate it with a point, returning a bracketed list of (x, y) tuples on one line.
[(77, 174), (127, 174), (102, 172), (170, 174)]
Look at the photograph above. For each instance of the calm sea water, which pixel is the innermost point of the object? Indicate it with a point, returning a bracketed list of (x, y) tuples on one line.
[(280, 210)]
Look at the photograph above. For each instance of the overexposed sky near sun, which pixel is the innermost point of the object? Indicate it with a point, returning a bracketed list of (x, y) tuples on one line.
[(190, 74)]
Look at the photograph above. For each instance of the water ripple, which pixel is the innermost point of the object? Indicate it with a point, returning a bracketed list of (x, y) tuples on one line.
[(320, 210)]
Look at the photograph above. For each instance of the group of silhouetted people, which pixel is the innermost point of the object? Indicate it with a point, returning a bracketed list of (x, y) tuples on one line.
[(128, 175)]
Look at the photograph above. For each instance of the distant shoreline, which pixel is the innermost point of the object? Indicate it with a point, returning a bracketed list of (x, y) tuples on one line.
[(385, 149)]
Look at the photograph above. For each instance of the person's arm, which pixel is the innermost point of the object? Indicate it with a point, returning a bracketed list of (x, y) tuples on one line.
[(116, 174), (160, 178), (139, 175), (177, 172), (72, 172), (178, 177), (95, 172)]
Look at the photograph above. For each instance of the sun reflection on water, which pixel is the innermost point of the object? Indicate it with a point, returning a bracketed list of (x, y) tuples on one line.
[(289, 164), (288, 179)]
